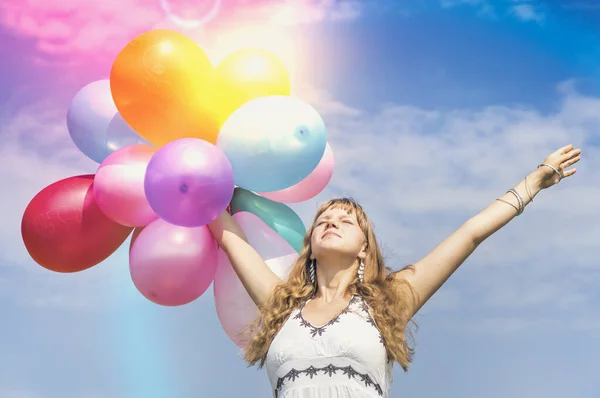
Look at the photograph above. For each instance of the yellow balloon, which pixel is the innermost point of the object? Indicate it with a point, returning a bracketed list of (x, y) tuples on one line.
[(245, 75), (162, 83)]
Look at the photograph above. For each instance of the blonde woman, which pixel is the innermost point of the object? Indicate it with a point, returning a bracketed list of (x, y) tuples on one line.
[(340, 321)]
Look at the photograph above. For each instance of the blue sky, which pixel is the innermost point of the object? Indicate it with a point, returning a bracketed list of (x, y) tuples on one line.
[(434, 109)]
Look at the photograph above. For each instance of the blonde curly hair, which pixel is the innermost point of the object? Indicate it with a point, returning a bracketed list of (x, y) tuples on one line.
[(390, 299)]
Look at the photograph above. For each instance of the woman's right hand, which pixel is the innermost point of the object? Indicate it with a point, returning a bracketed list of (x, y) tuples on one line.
[(254, 273)]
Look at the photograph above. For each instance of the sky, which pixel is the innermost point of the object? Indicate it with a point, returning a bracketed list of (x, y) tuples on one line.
[(434, 108)]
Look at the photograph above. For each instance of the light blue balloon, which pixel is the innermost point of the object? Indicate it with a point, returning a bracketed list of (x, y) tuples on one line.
[(119, 135), (95, 125), (273, 142), (278, 216)]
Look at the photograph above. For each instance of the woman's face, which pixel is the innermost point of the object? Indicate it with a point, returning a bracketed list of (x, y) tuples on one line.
[(337, 232)]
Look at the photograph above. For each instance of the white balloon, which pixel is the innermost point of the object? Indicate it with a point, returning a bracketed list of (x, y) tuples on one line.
[(273, 142), (235, 308)]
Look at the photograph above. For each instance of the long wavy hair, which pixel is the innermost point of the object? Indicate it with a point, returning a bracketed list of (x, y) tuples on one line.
[(391, 300)]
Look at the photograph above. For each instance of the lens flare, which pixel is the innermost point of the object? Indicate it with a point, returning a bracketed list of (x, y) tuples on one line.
[(191, 14)]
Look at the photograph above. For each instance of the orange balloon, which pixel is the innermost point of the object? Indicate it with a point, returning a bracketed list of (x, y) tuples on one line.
[(161, 83), (245, 75)]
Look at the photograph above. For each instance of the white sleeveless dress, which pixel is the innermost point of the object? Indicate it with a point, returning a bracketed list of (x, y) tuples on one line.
[(345, 358)]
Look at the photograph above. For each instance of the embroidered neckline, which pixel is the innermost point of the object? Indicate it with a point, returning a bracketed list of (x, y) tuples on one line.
[(319, 330), (328, 370)]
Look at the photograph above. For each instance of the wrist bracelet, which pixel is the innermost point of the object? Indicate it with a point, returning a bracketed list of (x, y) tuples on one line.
[(553, 169)]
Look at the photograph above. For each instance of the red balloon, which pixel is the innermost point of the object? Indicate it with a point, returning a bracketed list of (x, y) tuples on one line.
[(64, 230)]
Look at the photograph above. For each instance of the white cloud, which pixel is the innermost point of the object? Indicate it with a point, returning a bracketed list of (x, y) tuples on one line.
[(524, 10), (484, 7), (527, 12)]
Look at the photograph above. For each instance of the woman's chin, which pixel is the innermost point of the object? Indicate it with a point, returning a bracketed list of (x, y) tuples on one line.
[(331, 248)]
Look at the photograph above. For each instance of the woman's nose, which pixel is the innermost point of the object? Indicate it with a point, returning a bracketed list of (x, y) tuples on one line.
[(332, 223)]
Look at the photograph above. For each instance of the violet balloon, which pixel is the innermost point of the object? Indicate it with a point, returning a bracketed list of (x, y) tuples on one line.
[(119, 186), (189, 182), (172, 265), (235, 308), (311, 186)]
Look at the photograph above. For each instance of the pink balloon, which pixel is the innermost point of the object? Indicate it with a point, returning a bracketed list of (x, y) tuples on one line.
[(311, 186), (235, 308), (172, 265), (119, 186)]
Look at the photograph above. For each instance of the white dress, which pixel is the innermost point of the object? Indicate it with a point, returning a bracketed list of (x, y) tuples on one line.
[(345, 358)]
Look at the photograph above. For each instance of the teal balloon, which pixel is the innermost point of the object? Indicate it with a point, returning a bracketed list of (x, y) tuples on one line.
[(276, 215)]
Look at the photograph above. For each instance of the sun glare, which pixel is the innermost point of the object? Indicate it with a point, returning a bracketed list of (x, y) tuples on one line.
[(278, 40), (220, 40)]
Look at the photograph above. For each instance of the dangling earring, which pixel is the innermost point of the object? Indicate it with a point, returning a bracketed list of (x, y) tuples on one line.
[(361, 271), (312, 273)]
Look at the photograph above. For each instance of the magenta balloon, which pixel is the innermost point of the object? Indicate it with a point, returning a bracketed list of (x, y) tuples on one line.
[(172, 265), (119, 186), (311, 186), (189, 182), (235, 308)]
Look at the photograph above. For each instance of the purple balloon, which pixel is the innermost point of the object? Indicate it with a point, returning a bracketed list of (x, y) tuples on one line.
[(189, 182)]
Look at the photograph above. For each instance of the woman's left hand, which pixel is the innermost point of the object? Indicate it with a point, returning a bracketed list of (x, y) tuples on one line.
[(561, 160)]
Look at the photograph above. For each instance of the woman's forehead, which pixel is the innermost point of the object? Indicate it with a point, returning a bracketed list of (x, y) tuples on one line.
[(336, 211)]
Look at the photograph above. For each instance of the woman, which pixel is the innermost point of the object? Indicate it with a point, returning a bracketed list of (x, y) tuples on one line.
[(335, 327)]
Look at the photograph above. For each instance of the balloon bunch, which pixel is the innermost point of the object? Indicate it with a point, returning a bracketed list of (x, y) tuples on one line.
[(174, 136)]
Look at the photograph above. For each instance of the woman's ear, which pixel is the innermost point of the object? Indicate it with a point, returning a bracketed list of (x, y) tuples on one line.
[(363, 253)]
